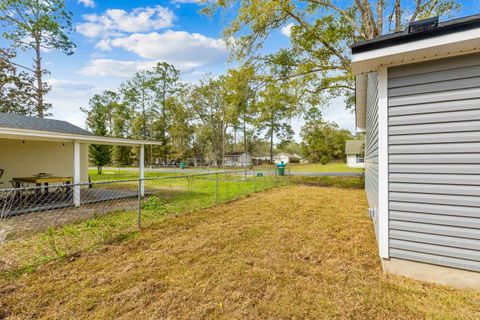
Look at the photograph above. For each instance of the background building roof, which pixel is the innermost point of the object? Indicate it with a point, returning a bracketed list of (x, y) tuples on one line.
[(236, 153)]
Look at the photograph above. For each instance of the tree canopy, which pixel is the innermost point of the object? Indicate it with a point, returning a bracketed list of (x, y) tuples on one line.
[(17, 90), (321, 33), (37, 25), (323, 139)]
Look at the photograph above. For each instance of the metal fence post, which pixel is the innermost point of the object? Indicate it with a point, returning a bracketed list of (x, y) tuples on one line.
[(254, 181), (139, 204), (238, 184), (216, 189), (277, 177)]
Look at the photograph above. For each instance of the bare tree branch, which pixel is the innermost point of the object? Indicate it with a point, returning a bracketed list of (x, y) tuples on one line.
[(343, 13), (363, 14), (371, 19), (380, 16), (398, 16)]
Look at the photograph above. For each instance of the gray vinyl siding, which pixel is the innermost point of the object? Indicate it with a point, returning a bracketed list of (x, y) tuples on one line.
[(434, 162), (371, 146)]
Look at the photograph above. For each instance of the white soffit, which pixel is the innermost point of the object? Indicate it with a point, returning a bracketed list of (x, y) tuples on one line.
[(26, 134), (452, 44), (360, 101)]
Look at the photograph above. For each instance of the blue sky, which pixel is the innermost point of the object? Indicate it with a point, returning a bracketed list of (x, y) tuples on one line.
[(116, 38)]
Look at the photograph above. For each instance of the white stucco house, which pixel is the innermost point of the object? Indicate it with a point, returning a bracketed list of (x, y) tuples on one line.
[(30, 146), (418, 101), (284, 157), (355, 153)]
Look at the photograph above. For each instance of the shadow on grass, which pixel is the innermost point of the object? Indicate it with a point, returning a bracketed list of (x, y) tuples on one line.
[(338, 182)]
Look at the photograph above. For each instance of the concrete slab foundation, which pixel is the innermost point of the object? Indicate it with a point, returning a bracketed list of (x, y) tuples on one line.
[(432, 273)]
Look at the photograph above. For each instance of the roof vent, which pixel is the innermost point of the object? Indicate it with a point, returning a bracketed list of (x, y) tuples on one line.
[(423, 25)]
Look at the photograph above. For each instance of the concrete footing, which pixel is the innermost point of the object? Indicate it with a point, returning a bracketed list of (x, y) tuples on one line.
[(432, 273)]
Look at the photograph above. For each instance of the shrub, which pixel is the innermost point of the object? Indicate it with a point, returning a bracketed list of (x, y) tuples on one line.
[(324, 160), (294, 160)]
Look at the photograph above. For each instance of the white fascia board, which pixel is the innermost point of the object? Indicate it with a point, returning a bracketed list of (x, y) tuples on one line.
[(416, 51), (14, 133)]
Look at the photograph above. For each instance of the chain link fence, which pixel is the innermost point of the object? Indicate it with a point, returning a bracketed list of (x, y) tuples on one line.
[(42, 223)]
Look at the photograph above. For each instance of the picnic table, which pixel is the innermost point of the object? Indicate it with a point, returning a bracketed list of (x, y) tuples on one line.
[(39, 181)]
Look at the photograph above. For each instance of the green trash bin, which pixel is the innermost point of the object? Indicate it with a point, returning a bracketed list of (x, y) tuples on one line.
[(281, 169), (182, 165)]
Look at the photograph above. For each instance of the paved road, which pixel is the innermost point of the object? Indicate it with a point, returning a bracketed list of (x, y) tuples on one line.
[(172, 170), (178, 170)]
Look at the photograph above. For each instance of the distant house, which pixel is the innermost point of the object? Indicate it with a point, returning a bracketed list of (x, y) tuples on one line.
[(238, 159), (354, 152), (286, 157), (260, 159)]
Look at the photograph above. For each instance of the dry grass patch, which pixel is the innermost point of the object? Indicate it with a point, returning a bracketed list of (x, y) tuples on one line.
[(294, 252)]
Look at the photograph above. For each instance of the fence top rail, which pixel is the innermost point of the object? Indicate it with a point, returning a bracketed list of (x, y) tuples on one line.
[(196, 175), (136, 180)]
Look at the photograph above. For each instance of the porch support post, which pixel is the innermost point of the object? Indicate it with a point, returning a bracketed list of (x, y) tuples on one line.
[(141, 164), (76, 173)]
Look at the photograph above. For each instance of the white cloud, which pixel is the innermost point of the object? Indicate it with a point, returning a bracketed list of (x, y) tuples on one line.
[(104, 45), (188, 1), (336, 112), (287, 30), (61, 84), (68, 96), (184, 50), (87, 3), (116, 22), (115, 68)]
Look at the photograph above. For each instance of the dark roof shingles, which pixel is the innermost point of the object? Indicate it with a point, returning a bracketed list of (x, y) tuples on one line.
[(390, 39), (8, 120)]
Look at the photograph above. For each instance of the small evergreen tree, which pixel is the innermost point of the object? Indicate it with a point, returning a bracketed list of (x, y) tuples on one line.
[(97, 119), (100, 155)]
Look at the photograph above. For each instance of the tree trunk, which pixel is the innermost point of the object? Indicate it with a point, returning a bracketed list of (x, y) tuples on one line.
[(38, 75), (271, 139), (144, 124), (151, 155), (379, 17), (244, 133), (164, 123), (398, 16), (224, 129), (234, 139)]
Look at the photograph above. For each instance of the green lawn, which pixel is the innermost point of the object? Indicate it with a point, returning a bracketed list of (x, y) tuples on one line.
[(92, 226), (318, 167), (108, 175), (298, 252)]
